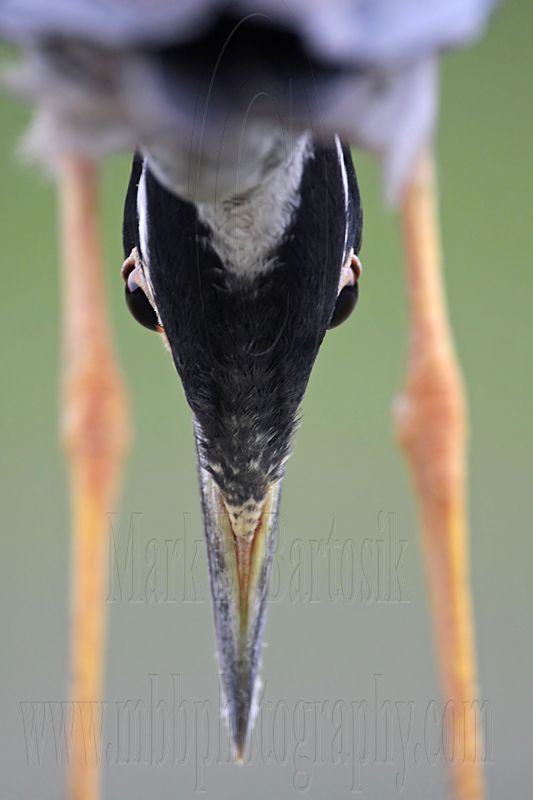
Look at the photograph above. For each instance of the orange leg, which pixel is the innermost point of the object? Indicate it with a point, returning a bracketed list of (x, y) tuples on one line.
[(95, 434), (431, 427)]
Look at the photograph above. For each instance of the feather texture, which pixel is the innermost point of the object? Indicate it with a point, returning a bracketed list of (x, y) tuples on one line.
[(176, 78)]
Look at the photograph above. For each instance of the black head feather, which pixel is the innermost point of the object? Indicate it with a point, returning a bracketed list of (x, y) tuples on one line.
[(244, 347)]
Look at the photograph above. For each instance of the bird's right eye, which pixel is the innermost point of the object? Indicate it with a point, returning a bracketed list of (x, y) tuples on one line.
[(136, 295), (348, 291)]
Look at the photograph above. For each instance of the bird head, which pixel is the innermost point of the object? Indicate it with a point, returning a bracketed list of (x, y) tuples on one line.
[(243, 291)]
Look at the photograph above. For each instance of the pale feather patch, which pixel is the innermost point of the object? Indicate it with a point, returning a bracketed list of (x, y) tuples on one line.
[(344, 175), (142, 217), (247, 227), (245, 518), (144, 241)]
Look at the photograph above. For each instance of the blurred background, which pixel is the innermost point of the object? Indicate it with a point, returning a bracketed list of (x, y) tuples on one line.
[(350, 699)]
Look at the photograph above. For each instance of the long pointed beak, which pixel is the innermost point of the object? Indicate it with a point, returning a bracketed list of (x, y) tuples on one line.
[(240, 547)]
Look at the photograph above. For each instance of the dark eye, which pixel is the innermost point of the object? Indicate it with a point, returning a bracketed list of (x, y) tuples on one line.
[(346, 302), (139, 305)]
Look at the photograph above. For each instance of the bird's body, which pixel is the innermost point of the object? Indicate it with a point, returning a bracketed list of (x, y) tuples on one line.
[(183, 80)]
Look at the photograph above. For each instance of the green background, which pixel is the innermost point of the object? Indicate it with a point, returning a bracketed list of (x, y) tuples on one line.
[(345, 469)]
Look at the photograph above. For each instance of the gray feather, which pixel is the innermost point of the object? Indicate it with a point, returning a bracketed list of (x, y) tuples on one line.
[(90, 70)]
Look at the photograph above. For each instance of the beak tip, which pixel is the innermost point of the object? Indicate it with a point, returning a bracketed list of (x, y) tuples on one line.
[(239, 754), (240, 715)]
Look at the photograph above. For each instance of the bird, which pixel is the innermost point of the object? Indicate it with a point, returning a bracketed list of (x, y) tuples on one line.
[(242, 223), (243, 320)]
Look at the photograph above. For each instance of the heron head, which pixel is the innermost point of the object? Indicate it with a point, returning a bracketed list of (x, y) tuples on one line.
[(243, 292)]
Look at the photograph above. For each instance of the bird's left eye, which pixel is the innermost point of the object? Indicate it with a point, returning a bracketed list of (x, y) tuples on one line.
[(136, 294), (348, 291)]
